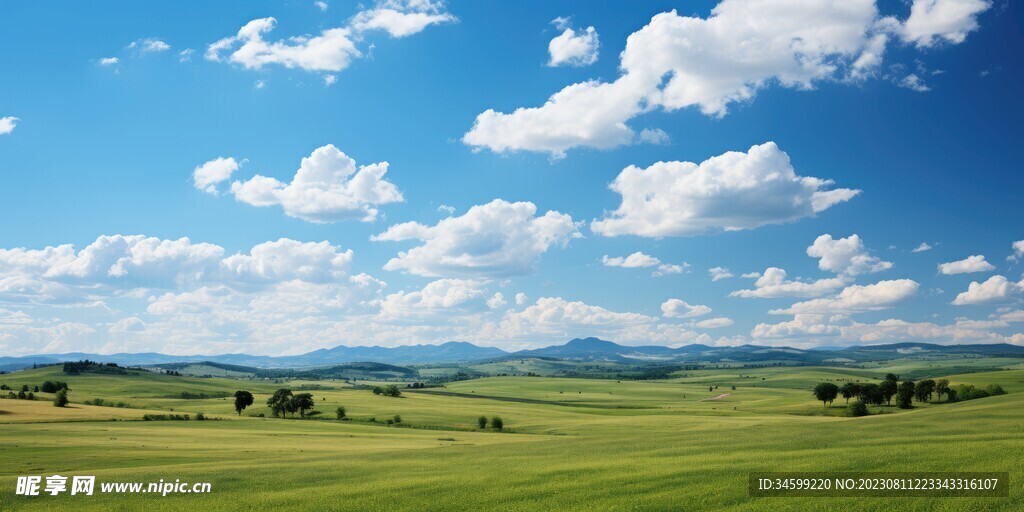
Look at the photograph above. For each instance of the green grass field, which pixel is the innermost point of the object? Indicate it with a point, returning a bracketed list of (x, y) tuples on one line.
[(570, 444)]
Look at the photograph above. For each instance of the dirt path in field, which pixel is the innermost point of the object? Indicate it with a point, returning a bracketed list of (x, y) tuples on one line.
[(719, 397)]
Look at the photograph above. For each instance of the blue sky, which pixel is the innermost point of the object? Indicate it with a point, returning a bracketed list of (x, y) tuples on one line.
[(108, 113)]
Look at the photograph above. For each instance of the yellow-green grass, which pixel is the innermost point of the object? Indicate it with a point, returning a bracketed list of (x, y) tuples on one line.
[(632, 463)]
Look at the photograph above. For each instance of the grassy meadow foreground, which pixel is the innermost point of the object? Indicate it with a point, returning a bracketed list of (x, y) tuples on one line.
[(589, 444)]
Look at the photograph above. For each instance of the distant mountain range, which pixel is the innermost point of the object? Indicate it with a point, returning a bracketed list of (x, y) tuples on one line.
[(584, 349)]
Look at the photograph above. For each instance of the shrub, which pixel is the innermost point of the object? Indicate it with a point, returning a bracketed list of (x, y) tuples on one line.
[(397, 418), (165, 417), (61, 398), (200, 416), (52, 386), (857, 409), (340, 412), (482, 421), (497, 423)]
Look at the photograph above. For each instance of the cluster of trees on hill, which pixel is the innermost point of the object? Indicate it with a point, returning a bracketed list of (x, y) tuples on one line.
[(87, 366), (283, 401), (389, 390), (496, 422), (905, 393), (60, 389)]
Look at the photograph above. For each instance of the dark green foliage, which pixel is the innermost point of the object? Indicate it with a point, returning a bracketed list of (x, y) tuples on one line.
[(857, 409), (397, 418), (166, 417), (969, 392), (243, 399), (497, 423), (389, 390), (871, 394), (942, 388), (278, 403), (826, 393), (482, 422), (340, 412), (905, 395), (923, 390), (86, 366), (301, 403), (888, 389), (61, 398)]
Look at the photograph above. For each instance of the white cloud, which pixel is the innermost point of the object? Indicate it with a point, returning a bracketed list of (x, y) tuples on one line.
[(914, 83), (713, 323), (655, 136), (149, 45), (521, 299), (493, 240), (968, 265), (635, 260), (321, 5), (207, 176), (401, 18), (573, 48), (328, 187), (1018, 246), (557, 316), (7, 124), (677, 62), (446, 209), (676, 308), (996, 288), (773, 284), (109, 61), (332, 50), (732, 191), (496, 301), (718, 273), (922, 248), (856, 299), (665, 269), (286, 259), (437, 299), (845, 256), (933, 21), (185, 55), (330, 80)]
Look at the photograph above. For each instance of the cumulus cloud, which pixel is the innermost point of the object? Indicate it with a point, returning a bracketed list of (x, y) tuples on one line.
[(729, 192), (207, 176), (713, 323), (845, 256), (109, 61), (934, 21), (572, 47), (995, 288), (401, 18), (438, 299), (521, 299), (7, 124), (773, 283), (922, 248), (856, 299), (810, 329), (635, 260), (719, 273), (333, 49), (1018, 246), (967, 265), (149, 45), (328, 187), (677, 62), (496, 239), (676, 308)]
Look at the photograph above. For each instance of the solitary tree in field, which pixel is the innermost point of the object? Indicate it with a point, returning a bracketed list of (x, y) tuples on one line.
[(482, 422), (61, 398), (243, 399), (888, 389), (905, 394), (923, 390), (302, 402), (849, 390), (278, 402), (340, 412), (497, 423), (826, 392), (942, 388)]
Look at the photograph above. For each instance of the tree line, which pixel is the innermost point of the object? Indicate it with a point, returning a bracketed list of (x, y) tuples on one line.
[(905, 393)]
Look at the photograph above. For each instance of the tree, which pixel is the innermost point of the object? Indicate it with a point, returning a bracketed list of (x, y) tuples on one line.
[(905, 394), (302, 402), (497, 423), (888, 389), (826, 392), (892, 376), (243, 399), (923, 390), (340, 411), (391, 390), (61, 398), (871, 394), (397, 418), (482, 422), (857, 409), (377, 390), (942, 388), (278, 403), (849, 390)]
